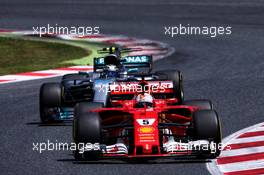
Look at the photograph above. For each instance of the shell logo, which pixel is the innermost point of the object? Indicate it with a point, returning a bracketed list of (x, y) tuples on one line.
[(146, 129)]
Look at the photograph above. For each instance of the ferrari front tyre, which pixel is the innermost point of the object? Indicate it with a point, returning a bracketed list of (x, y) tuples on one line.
[(206, 125), (86, 130), (49, 101)]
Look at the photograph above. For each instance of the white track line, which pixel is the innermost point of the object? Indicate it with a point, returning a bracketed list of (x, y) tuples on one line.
[(242, 166), (242, 151), (248, 139), (215, 168)]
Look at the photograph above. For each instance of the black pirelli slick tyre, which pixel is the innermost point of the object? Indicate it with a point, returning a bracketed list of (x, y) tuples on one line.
[(202, 104), (176, 77), (207, 126), (86, 130), (49, 101), (86, 106)]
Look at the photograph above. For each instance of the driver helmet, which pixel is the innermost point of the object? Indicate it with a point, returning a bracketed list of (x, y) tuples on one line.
[(145, 98), (111, 67), (111, 71), (112, 59)]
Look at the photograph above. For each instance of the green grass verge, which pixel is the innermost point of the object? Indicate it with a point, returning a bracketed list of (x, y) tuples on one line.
[(20, 54)]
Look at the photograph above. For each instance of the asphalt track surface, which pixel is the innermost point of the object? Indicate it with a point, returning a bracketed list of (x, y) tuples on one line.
[(229, 70)]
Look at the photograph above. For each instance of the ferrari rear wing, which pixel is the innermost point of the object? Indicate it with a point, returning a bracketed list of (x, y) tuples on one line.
[(119, 88), (120, 91)]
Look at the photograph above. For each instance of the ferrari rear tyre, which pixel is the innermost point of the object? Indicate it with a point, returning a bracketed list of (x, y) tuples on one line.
[(176, 77), (84, 107), (202, 104)]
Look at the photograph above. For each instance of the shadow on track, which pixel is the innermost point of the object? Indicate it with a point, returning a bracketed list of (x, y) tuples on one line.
[(136, 162), (61, 123)]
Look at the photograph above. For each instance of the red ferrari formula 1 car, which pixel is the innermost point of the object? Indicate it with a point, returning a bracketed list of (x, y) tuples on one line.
[(146, 127)]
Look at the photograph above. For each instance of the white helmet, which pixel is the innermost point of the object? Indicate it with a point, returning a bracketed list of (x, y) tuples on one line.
[(144, 98), (112, 67)]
